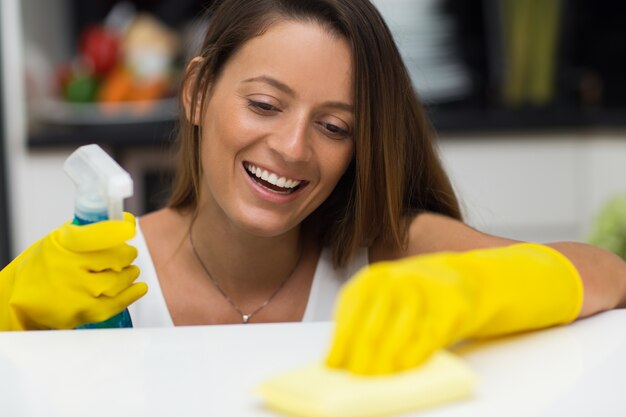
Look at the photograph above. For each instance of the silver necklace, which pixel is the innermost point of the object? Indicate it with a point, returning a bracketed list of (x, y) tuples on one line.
[(245, 317)]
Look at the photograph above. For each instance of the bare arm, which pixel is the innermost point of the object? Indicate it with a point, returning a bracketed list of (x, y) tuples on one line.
[(603, 274)]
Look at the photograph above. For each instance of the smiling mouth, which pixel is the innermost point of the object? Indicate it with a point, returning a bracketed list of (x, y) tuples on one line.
[(271, 181)]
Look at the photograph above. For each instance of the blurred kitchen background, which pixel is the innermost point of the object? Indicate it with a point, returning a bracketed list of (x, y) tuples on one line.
[(528, 98)]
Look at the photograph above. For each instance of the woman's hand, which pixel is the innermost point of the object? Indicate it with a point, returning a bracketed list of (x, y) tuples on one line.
[(74, 276), (393, 315)]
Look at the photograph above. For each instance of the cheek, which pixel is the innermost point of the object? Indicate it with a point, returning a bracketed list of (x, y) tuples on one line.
[(229, 129), (339, 161)]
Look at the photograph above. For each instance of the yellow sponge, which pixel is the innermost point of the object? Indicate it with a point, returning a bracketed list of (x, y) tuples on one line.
[(320, 391)]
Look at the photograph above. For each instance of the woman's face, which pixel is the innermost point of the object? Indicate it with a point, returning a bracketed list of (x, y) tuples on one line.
[(277, 131)]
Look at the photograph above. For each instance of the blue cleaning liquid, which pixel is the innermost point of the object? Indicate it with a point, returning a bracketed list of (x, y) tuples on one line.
[(120, 320)]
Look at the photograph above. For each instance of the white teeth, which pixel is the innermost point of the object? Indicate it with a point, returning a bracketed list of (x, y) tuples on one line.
[(271, 177)]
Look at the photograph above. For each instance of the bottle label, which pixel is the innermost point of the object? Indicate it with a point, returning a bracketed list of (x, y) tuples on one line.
[(93, 218), (120, 320)]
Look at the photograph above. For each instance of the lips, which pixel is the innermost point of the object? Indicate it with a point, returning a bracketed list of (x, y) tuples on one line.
[(272, 181)]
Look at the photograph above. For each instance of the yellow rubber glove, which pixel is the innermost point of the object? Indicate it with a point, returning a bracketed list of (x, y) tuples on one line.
[(73, 276), (393, 315)]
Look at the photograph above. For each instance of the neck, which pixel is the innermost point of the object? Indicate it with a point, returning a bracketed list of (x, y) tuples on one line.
[(242, 264)]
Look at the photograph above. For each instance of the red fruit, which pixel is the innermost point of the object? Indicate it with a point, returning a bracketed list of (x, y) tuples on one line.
[(101, 47), (62, 76), (68, 71)]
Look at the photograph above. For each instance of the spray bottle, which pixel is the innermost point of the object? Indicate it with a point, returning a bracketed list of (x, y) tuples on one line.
[(101, 186)]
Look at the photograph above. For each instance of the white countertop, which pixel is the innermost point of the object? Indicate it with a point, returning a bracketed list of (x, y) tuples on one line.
[(576, 370)]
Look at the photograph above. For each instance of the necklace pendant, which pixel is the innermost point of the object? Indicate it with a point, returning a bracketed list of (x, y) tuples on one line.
[(245, 318)]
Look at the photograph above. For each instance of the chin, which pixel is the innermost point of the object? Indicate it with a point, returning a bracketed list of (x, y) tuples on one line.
[(266, 226)]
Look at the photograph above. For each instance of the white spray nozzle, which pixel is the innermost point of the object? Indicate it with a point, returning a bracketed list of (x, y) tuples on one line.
[(101, 183)]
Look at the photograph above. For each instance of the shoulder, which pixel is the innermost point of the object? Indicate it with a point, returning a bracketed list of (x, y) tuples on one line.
[(163, 221), (431, 232), (164, 231)]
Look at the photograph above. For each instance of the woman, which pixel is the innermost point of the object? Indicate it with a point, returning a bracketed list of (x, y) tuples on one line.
[(305, 155), (272, 105)]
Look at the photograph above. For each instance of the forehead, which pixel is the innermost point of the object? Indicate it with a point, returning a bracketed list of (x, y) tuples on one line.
[(304, 55)]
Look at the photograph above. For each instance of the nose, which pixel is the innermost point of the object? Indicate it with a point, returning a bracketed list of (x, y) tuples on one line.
[(292, 142)]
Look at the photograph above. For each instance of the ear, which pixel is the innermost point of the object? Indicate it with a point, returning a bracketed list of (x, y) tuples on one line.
[(191, 74)]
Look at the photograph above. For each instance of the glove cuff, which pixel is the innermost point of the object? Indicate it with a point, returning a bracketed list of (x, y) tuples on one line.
[(525, 286)]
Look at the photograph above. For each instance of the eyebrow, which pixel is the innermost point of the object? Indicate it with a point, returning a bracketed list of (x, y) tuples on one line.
[(288, 90), (273, 82)]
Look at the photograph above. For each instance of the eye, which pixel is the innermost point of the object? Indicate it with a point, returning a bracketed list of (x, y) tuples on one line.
[(262, 107), (334, 131)]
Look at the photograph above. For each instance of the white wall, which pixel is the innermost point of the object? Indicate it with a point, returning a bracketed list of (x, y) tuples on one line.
[(40, 195), (538, 187)]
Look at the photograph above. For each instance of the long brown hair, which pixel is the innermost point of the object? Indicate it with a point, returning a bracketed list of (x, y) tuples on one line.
[(395, 173)]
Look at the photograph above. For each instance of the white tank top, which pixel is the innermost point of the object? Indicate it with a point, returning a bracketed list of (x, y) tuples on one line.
[(151, 310)]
